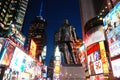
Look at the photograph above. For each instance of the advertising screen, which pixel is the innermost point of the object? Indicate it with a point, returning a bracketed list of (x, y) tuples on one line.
[(57, 69), (116, 68), (44, 75), (57, 62), (94, 35), (57, 52), (18, 60), (43, 54), (112, 29), (2, 40), (82, 53), (38, 71), (57, 58), (29, 63), (0, 47), (94, 59), (104, 59), (56, 76), (98, 77), (7, 54), (33, 47), (95, 67), (17, 35)]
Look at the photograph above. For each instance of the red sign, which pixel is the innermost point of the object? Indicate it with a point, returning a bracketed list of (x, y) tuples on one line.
[(92, 48)]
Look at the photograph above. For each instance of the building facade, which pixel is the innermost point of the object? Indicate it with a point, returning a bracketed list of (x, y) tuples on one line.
[(93, 30), (21, 14), (12, 12), (92, 8), (37, 34)]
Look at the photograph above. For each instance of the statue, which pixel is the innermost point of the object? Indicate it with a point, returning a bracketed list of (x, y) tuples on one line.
[(67, 36), (67, 32)]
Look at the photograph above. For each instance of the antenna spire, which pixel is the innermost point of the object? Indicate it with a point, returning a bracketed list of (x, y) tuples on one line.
[(41, 8)]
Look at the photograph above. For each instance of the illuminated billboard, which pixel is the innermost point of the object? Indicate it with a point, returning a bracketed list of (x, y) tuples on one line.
[(116, 68), (95, 67), (18, 60), (97, 61), (57, 62), (57, 52), (94, 35), (99, 77), (7, 54), (2, 40), (112, 29), (82, 53), (17, 35), (29, 63), (104, 59), (57, 58), (57, 69), (43, 54), (33, 48)]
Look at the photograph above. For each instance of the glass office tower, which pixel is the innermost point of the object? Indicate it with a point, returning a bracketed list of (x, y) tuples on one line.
[(12, 12)]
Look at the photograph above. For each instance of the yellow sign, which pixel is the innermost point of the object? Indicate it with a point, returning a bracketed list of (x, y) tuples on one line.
[(103, 57)]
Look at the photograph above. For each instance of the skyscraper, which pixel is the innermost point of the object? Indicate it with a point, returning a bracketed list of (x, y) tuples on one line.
[(37, 33), (21, 14), (32, 11), (12, 11)]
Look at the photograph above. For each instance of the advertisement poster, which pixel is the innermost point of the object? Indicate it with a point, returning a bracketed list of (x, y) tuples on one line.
[(91, 64), (94, 60), (82, 53), (105, 62), (116, 68), (18, 60), (112, 29), (57, 69), (95, 67), (98, 67), (29, 63), (57, 62), (98, 77), (7, 55), (2, 40), (33, 47)]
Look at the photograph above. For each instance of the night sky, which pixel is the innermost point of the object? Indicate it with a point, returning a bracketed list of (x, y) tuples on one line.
[(55, 11)]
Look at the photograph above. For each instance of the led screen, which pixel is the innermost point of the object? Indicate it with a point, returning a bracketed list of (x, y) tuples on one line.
[(112, 29), (94, 59), (44, 75), (57, 69), (7, 54), (116, 68), (82, 53), (33, 47), (1, 44), (98, 77), (18, 60), (57, 62), (29, 63)]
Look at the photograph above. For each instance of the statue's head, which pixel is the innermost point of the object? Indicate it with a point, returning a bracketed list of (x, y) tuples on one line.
[(66, 21)]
